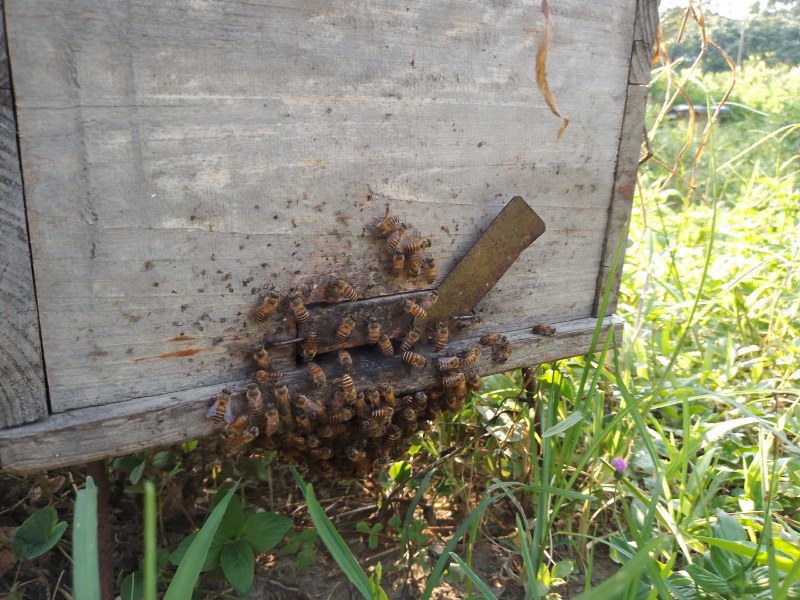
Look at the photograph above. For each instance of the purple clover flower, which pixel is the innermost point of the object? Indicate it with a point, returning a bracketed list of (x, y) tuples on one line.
[(619, 464)]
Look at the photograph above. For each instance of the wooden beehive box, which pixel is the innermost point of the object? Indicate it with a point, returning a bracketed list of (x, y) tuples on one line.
[(179, 159)]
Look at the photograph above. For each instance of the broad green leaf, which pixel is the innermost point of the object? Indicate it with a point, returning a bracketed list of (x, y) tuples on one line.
[(728, 528), (232, 525), (562, 426), (263, 530), (708, 581), (212, 558), (136, 473), (238, 564), (400, 471), (748, 550), (85, 569), (132, 587), (189, 569), (563, 569), (40, 532)]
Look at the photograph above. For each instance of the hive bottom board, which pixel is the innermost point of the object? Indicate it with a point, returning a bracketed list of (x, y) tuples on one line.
[(95, 433)]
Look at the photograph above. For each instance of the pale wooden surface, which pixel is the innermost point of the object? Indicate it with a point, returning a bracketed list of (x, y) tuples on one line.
[(181, 156), (99, 432), (22, 389)]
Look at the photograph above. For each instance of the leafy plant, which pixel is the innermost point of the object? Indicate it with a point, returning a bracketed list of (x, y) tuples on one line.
[(38, 533)]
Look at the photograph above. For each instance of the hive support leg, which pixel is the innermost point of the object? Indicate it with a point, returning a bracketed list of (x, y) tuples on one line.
[(97, 470)]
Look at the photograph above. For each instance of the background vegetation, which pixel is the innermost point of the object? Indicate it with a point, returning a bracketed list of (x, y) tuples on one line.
[(668, 467)]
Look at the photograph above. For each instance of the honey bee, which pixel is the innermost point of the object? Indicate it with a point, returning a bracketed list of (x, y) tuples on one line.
[(408, 414), (337, 401), (255, 401), (502, 352), (385, 344), (415, 360), (454, 380), (382, 415), (303, 421), (398, 263), (345, 290), (454, 401), (542, 329), (239, 433), (345, 328), (410, 339), (414, 309), (466, 321), (394, 436), (298, 441), (374, 398), (429, 300), (420, 401), (267, 307), (345, 360), (387, 393), (348, 388), (434, 411), (448, 363), (332, 430), (317, 374), (339, 416), (355, 454), (407, 401), (489, 339), (272, 420), (311, 407), (298, 308), (416, 246), (373, 330), (322, 452), (441, 336), (222, 408), (326, 469), (360, 406), (309, 345), (429, 271), (474, 382), (261, 356), (472, 356), (237, 426), (312, 441), (394, 238), (386, 225), (267, 376), (282, 399), (413, 254)]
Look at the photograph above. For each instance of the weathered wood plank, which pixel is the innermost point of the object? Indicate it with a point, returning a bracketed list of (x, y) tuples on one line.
[(98, 432), (192, 155), (644, 38), (22, 389)]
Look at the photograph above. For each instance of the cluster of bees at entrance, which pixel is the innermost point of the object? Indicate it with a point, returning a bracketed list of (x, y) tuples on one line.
[(339, 430)]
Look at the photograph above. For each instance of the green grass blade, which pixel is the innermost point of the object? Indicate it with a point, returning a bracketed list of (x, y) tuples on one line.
[(182, 584), (149, 566), (333, 541), (85, 569), (487, 593)]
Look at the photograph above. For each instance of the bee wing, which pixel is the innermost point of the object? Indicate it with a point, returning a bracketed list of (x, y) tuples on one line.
[(229, 413), (212, 409)]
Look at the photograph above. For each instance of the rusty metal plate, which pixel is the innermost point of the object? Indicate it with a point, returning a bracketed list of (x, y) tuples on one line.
[(513, 230)]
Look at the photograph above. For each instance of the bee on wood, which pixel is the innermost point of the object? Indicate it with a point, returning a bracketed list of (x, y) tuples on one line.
[(332, 430), (345, 290), (472, 356), (317, 374), (407, 401), (386, 225), (420, 401), (303, 421), (339, 416), (312, 408), (398, 263), (337, 401), (474, 382), (262, 376), (283, 400), (374, 398), (322, 452), (360, 406), (255, 401), (345, 360), (267, 307), (382, 415), (298, 308), (272, 420), (348, 388), (387, 393), (542, 329), (408, 414), (454, 401), (441, 336), (394, 238), (394, 436), (412, 335), (501, 352), (373, 330), (222, 408), (413, 308), (429, 271), (309, 345), (345, 328), (490, 339), (355, 454), (429, 300), (413, 254), (464, 322), (415, 360), (385, 345), (312, 441), (448, 363), (298, 441), (454, 380), (417, 246), (261, 356), (239, 433)]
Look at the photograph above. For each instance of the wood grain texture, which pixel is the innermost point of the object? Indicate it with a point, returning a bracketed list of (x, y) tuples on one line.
[(22, 390), (644, 39), (183, 157), (92, 433)]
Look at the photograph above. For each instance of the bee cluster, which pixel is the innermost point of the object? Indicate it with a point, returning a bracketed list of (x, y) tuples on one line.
[(337, 429)]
